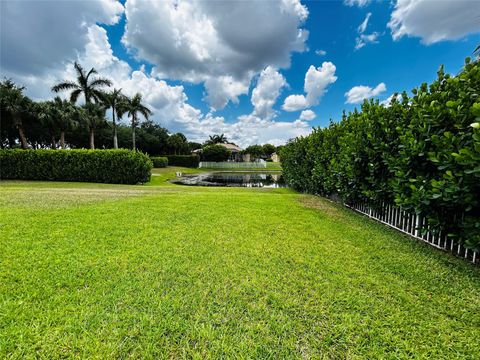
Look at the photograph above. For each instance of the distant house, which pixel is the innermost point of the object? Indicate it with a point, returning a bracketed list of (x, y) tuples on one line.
[(234, 149), (275, 157)]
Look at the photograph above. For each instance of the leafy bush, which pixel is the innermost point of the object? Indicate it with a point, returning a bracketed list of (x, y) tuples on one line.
[(190, 161), (255, 151), (215, 153), (268, 149), (421, 153), (102, 166), (159, 161)]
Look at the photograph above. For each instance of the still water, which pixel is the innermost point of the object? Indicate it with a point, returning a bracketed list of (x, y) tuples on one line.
[(239, 179)]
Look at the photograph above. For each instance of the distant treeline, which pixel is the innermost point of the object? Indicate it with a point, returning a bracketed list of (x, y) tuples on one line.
[(62, 123)]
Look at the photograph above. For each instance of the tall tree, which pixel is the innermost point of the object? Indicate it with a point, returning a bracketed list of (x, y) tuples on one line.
[(15, 106), (93, 115), (48, 115), (112, 100), (90, 87), (152, 138), (177, 142), (268, 149), (65, 117), (133, 107)]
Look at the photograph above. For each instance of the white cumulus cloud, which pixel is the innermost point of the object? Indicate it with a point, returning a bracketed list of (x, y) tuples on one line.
[(434, 21), (295, 103), (266, 93), (88, 43), (222, 89), (307, 115), (199, 40), (359, 93), (38, 36), (316, 82)]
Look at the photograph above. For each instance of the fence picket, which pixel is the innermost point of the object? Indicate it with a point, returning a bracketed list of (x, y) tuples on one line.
[(416, 226)]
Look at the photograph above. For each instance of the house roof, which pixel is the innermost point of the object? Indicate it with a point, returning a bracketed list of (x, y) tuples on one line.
[(231, 147)]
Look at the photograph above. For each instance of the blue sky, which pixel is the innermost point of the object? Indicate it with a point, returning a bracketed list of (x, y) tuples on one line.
[(198, 64)]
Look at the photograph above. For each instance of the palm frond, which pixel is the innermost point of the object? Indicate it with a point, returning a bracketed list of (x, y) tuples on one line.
[(146, 112), (79, 69), (91, 72), (67, 85), (74, 95), (99, 96), (99, 82)]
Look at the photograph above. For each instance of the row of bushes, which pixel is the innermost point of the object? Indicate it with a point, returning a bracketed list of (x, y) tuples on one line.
[(159, 161), (190, 161), (421, 153), (102, 166)]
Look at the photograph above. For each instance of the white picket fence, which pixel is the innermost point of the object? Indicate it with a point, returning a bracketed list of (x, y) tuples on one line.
[(232, 165), (414, 226)]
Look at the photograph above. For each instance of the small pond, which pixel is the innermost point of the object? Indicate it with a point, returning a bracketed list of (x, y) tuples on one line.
[(239, 179)]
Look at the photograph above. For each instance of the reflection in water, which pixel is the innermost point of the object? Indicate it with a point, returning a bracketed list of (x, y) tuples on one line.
[(268, 180)]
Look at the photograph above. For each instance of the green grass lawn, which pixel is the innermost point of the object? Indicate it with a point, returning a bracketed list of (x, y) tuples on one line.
[(169, 271)]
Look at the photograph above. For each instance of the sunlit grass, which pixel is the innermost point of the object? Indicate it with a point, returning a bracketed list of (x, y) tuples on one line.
[(168, 271)]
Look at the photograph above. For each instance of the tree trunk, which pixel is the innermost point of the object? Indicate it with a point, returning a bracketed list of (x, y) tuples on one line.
[(62, 139), (133, 134), (23, 138), (92, 139), (115, 141), (54, 143)]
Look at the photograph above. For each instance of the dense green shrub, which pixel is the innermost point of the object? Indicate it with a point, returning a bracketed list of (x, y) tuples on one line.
[(215, 153), (190, 161), (103, 166), (421, 153), (159, 161)]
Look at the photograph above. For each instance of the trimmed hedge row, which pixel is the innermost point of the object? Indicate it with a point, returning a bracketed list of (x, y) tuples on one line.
[(421, 153), (159, 161), (190, 161), (101, 166)]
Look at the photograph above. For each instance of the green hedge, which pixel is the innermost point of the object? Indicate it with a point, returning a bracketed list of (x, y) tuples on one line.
[(190, 161), (421, 153), (102, 166), (159, 161)]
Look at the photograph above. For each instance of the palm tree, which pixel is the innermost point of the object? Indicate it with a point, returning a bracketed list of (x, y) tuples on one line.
[(47, 113), (91, 88), (16, 106), (66, 113), (177, 142), (113, 100), (216, 139), (132, 107), (92, 115)]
